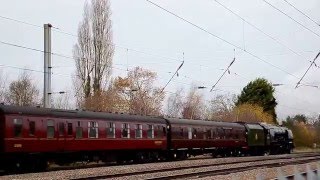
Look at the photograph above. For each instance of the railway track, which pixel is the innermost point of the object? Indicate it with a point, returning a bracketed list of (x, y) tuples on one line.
[(84, 165), (154, 170), (206, 169), (208, 173), (94, 165)]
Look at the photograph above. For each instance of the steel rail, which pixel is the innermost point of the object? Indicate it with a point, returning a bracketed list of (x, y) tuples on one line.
[(119, 175)]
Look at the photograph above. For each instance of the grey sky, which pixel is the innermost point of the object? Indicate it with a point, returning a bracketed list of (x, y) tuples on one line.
[(163, 38)]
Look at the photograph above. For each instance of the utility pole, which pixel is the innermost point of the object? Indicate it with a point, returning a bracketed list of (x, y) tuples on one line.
[(47, 66)]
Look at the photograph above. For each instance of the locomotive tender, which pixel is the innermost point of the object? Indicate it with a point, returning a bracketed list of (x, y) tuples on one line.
[(32, 137)]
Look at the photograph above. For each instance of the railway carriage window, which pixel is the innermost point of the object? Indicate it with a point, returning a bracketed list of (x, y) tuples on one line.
[(220, 133), (216, 133), (70, 129), (204, 133), (125, 132), (17, 127), (213, 133), (61, 129), (79, 130), (233, 134), (236, 134), (150, 131), (189, 133), (194, 133), (50, 129), (227, 133), (93, 129), (181, 132), (160, 132), (111, 130), (138, 131), (32, 128), (208, 134)]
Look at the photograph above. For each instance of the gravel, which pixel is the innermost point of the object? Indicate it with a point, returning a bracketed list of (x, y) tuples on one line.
[(265, 173), (201, 169), (88, 172)]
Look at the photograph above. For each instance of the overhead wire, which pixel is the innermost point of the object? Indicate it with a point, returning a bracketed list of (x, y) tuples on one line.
[(297, 98), (20, 46), (35, 49), (72, 58), (70, 34), (19, 21), (304, 14), (68, 75), (54, 54), (220, 38), (20, 68), (56, 29), (24, 47), (257, 28), (279, 10)]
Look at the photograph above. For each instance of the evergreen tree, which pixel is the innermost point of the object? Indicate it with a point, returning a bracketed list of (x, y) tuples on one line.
[(260, 92)]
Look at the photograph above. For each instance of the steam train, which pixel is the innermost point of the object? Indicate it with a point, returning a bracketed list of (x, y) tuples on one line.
[(32, 137)]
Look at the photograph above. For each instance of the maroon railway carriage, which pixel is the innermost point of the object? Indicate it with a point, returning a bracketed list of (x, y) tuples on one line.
[(191, 137), (31, 136)]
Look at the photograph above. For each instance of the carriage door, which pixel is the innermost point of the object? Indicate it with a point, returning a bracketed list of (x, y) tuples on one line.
[(61, 135)]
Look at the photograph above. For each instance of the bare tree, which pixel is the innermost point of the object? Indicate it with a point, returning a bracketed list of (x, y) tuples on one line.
[(109, 100), (143, 97), (135, 93), (221, 107), (78, 92), (23, 92), (94, 50), (62, 101), (175, 104), (194, 106), (3, 81)]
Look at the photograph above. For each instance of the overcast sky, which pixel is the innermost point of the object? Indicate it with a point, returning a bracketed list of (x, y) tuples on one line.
[(160, 40)]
